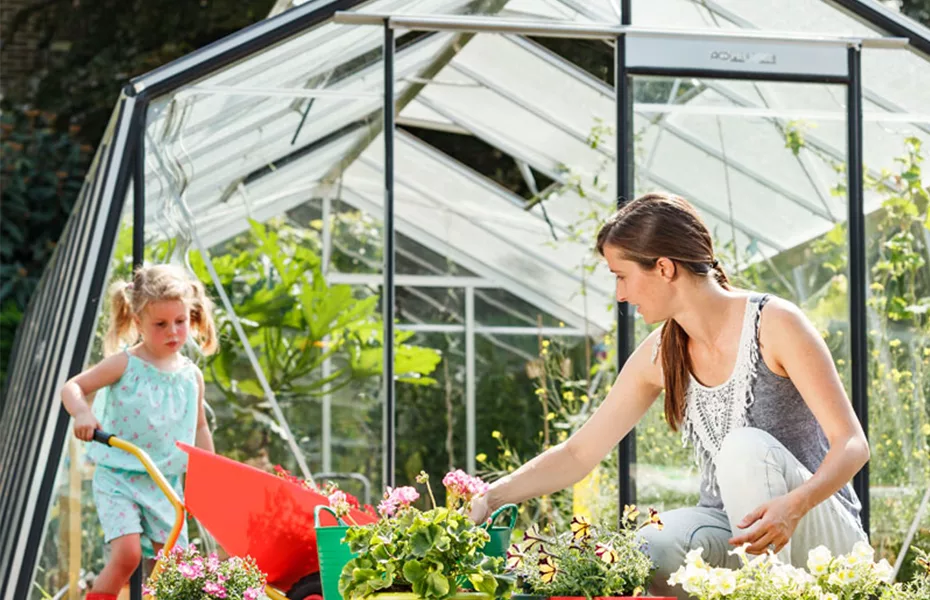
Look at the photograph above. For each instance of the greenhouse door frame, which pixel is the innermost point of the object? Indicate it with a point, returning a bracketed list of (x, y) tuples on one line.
[(744, 55)]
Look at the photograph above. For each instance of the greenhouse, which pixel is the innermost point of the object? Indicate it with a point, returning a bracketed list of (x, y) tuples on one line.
[(433, 172)]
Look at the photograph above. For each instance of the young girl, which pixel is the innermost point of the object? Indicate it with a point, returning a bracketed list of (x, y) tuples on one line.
[(154, 398)]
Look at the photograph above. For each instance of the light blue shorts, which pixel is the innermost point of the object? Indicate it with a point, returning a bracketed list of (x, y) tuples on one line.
[(131, 502)]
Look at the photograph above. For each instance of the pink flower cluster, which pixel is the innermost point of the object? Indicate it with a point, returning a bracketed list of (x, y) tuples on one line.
[(214, 589), (209, 573), (462, 485), (339, 503), (395, 498)]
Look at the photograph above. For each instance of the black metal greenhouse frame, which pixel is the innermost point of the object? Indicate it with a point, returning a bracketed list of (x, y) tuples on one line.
[(32, 439)]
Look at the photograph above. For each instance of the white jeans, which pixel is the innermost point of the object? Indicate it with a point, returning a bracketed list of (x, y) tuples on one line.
[(752, 467)]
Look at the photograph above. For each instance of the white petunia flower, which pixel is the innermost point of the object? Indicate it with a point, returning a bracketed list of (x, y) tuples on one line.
[(741, 552), (694, 578), (726, 584), (884, 571), (693, 557), (863, 551), (818, 560)]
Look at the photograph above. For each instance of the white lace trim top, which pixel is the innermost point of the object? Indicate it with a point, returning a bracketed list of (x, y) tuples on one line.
[(752, 396), (713, 412)]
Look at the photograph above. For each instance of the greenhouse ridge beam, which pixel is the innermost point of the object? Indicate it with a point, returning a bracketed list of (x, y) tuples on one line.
[(602, 31), (872, 13)]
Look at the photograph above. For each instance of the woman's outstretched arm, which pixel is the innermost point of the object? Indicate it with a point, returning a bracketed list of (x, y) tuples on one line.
[(633, 392)]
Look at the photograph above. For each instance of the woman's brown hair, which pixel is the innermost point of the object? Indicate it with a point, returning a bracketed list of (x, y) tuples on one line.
[(660, 225)]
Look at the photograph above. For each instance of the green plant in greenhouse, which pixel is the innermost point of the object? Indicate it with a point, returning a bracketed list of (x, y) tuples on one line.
[(295, 322)]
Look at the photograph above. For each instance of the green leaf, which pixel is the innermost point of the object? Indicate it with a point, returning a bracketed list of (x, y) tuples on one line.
[(414, 572), (250, 387), (438, 585), (423, 539), (482, 583)]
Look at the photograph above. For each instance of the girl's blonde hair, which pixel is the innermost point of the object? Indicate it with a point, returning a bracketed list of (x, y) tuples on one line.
[(155, 283)]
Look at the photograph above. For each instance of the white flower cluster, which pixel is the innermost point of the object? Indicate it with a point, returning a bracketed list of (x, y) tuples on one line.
[(827, 577)]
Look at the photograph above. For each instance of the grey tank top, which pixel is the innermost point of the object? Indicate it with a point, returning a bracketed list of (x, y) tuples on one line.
[(753, 396)]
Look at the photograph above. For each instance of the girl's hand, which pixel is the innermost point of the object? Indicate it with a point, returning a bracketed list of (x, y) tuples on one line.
[(84, 426)]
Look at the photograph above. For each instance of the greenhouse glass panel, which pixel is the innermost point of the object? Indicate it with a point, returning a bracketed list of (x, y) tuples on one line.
[(899, 339), (813, 16), (564, 11)]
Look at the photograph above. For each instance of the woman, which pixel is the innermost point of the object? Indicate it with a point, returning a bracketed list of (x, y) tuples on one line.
[(747, 379)]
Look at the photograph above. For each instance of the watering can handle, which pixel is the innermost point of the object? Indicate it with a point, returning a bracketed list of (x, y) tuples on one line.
[(320, 508), (513, 516)]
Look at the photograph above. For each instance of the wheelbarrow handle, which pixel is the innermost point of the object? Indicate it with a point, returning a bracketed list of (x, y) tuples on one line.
[(102, 437), (108, 439)]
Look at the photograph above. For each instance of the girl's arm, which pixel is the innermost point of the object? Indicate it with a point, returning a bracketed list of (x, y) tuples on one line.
[(203, 438), (77, 393), (631, 395)]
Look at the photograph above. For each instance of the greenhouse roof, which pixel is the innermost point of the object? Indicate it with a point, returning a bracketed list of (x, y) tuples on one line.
[(301, 118)]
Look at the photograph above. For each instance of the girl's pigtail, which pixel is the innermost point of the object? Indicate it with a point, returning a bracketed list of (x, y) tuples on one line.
[(122, 326), (202, 319)]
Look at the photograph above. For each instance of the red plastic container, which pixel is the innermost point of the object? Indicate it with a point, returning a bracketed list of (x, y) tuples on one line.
[(258, 514)]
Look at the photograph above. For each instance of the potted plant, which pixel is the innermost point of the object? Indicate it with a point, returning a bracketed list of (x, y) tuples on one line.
[(852, 576), (433, 554), (586, 562), (183, 574)]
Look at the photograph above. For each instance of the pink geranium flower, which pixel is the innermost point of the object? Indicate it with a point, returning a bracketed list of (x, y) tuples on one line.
[(214, 589), (396, 498), (190, 570), (462, 485)]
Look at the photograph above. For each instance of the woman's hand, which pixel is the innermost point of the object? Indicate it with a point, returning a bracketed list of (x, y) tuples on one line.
[(480, 511), (769, 526), (84, 426)]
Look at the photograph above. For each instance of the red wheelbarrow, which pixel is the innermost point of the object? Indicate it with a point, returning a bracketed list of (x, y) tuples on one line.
[(248, 511)]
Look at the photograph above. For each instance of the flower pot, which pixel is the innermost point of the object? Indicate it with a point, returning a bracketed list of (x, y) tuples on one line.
[(412, 596), (332, 552), (500, 536)]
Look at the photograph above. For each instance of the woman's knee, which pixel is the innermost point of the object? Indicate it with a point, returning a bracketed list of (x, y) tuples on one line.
[(664, 549), (686, 530), (744, 446)]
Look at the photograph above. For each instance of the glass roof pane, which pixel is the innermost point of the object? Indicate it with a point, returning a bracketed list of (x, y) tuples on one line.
[(475, 223), (578, 11), (897, 80), (211, 145), (808, 16), (711, 149)]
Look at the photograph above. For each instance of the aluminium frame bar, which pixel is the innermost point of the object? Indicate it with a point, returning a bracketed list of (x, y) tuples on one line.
[(858, 268), (388, 291)]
